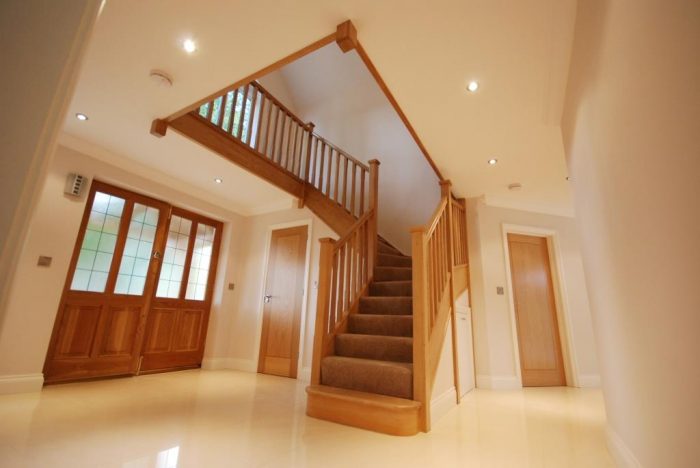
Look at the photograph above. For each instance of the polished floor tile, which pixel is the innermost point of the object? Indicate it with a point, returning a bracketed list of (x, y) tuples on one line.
[(230, 419)]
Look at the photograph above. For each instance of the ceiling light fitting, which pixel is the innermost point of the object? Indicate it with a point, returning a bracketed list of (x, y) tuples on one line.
[(473, 86), (189, 45), (81, 116), (161, 79), (493, 161), (218, 180)]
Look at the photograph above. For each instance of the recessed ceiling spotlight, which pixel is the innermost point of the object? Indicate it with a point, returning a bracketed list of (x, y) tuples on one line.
[(81, 116), (493, 161), (189, 45), (218, 180), (473, 86)]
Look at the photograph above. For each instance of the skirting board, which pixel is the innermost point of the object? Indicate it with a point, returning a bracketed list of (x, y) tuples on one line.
[(498, 382), (589, 381), (442, 404), (244, 365), (21, 383), (622, 455)]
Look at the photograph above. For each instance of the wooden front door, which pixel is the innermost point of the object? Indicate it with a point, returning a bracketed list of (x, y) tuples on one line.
[(541, 359), (100, 322), (177, 322), (284, 292)]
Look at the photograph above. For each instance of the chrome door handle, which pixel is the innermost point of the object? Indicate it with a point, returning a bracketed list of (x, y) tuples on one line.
[(267, 298)]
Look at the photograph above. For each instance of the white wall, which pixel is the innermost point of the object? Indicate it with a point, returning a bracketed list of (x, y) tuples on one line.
[(34, 298), (632, 135), (496, 355), (45, 44)]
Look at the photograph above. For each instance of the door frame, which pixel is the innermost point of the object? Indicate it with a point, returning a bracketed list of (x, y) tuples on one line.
[(308, 222), (561, 305)]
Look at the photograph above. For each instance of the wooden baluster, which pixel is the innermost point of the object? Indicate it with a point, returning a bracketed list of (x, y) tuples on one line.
[(251, 117), (295, 153), (345, 183), (373, 205), (323, 160), (352, 189), (244, 104), (221, 118), (236, 97), (314, 159), (329, 150), (337, 174), (275, 123), (280, 152), (421, 380), (210, 110), (341, 280), (308, 174), (260, 130), (322, 307), (266, 129), (363, 175)]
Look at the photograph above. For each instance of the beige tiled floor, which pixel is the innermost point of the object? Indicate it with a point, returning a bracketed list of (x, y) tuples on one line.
[(226, 418)]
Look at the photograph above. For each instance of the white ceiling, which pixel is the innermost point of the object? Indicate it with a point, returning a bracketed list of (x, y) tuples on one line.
[(425, 51)]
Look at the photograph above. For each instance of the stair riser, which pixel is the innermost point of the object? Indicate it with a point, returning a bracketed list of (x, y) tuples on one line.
[(392, 274), (403, 288), (398, 325), (394, 261), (386, 305), (396, 382), (387, 249), (380, 348)]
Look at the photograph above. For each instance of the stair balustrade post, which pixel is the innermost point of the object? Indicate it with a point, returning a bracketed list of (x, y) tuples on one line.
[(322, 307), (373, 205), (421, 324), (446, 188), (309, 128)]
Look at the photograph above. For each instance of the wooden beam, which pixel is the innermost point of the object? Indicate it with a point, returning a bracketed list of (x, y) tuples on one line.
[(394, 103), (346, 36), (159, 127)]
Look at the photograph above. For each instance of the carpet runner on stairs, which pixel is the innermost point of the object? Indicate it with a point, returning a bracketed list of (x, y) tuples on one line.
[(376, 353)]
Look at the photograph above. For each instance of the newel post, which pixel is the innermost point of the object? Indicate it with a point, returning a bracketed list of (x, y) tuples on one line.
[(373, 205), (307, 163), (421, 387), (446, 188), (322, 306)]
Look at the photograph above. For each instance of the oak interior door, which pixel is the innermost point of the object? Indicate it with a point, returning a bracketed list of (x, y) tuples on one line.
[(101, 317), (179, 314), (284, 292), (541, 359)]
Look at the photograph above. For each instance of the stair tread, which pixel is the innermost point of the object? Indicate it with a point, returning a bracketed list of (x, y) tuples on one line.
[(370, 399), (387, 337), (371, 362)]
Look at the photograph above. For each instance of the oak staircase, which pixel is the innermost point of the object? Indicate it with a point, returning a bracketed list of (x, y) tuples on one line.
[(381, 316)]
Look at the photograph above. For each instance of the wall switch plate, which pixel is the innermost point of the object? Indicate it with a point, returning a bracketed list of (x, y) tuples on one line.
[(44, 261), (499, 290), (231, 286)]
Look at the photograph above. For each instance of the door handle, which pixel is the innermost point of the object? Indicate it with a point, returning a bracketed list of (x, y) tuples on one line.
[(267, 298)]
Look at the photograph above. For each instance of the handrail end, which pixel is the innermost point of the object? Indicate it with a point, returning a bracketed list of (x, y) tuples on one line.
[(159, 127)]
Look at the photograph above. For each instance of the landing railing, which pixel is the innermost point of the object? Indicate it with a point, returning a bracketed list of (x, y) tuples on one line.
[(433, 249), (251, 115)]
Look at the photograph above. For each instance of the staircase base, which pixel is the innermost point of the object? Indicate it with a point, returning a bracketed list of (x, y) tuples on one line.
[(379, 413)]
